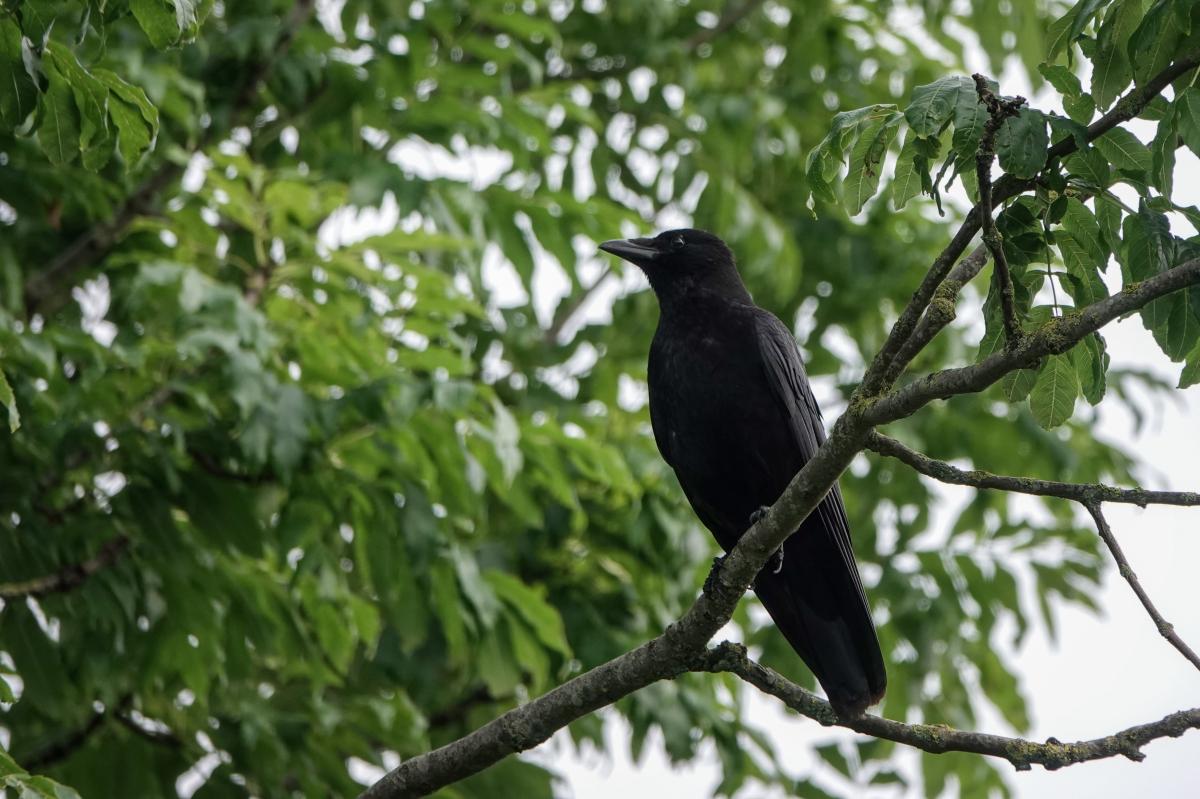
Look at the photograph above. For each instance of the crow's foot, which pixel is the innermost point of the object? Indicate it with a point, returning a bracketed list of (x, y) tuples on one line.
[(775, 562)]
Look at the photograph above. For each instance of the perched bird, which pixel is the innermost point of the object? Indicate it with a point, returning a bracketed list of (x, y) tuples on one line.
[(734, 416)]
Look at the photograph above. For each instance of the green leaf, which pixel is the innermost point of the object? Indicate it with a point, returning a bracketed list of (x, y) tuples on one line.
[(933, 104), (133, 135), (1085, 11), (1091, 365), (1021, 143), (1061, 78), (1069, 127), (1112, 71), (164, 23), (532, 607), (1081, 108), (1147, 246), (825, 161), (58, 120), (132, 95), (1124, 150), (448, 608), (908, 179), (970, 116), (96, 139), (10, 403), (1190, 375), (1153, 43), (1017, 384), (1181, 330), (1187, 113), (18, 94), (1052, 399), (1058, 35), (866, 161), (1091, 166)]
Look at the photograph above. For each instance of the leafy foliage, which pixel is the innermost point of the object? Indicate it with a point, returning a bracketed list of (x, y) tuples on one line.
[(260, 315)]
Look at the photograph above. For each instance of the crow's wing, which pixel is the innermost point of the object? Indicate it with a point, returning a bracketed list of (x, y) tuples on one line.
[(817, 599)]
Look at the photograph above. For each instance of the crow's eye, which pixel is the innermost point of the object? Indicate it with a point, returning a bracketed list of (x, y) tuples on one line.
[(677, 242)]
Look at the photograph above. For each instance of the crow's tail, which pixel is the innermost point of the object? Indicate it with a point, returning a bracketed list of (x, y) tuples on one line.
[(818, 603)]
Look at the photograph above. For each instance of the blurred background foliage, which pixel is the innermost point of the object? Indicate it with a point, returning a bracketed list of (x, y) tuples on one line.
[(301, 313)]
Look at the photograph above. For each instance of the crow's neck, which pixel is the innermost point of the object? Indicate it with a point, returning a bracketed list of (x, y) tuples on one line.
[(687, 294)]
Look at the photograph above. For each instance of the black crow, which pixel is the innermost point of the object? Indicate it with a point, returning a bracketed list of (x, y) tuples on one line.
[(734, 416)]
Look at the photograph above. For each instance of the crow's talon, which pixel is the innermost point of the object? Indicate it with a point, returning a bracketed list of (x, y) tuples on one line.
[(775, 562), (710, 582), (757, 516)]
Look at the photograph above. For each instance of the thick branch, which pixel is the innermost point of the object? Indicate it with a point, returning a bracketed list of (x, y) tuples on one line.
[(69, 577), (1165, 628), (938, 738), (998, 111), (1079, 492)]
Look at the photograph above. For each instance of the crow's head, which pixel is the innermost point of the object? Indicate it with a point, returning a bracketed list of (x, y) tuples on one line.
[(677, 261)]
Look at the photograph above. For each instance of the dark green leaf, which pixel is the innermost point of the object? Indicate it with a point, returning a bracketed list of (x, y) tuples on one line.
[(1021, 143), (866, 161), (932, 105), (10, 404), (1124, 150)]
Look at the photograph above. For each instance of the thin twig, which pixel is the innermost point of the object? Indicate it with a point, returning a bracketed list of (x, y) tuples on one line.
[(68, 577), (1165, 628), (998, 111), (1078, 492), (61, 750), (939, 738), (941, 310)]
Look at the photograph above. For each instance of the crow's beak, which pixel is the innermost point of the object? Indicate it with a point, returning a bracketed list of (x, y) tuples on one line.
[(636, 251)]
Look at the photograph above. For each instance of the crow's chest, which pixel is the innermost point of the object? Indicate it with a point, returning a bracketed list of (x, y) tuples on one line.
[(709, 400)]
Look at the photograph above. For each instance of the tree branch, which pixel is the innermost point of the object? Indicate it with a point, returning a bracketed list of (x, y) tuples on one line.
[(941, 311), (938, 738), (69, 577), (998, 111), (61, 750), (1079, 492), (570, 306), (1165, 628)]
